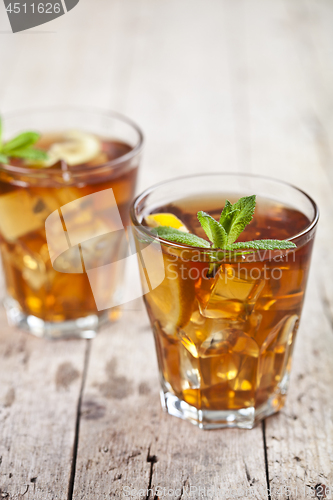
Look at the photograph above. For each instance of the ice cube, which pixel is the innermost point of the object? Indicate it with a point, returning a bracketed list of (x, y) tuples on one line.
[(227, 368), (232, 296), (206, 336), (195, 332), (90, 216), (281, 302), (284, 346), (65, 195), (103, 250), (22, 213), (219, 369), (217, 343), (189, 370), (69, 261), (30, 264), (246, 376), (275, 351), (245, 345), (36, 279), (189, 343), (289, 329), (266, 371), (232, 355), (253, 323), (280, 333)]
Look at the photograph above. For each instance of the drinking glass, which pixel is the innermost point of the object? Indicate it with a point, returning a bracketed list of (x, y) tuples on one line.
[(224, 339), (59, 224)]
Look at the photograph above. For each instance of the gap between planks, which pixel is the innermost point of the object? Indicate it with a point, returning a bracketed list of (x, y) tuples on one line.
[(77, 422), (152, 459)]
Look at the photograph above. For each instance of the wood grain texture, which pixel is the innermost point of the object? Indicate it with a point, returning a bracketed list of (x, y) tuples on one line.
[(242, 85), (120, 411), (39, 389), (126, 443), (290, 135), (300, 438), (192, 59)]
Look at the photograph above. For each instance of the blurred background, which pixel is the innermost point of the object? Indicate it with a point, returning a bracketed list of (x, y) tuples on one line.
[(221, 85)]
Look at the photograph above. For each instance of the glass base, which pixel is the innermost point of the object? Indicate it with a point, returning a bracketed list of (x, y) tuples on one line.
[(244, 418), (81, 328)]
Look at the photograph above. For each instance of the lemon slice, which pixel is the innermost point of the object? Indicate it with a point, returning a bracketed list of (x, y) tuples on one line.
[(165, 219), (75, 147), (171, 303)]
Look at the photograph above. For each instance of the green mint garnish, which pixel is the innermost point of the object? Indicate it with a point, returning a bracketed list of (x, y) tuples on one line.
[(262, 245), (171, 234), (214, 230), (234, 218), (223, 234), (21, 146)]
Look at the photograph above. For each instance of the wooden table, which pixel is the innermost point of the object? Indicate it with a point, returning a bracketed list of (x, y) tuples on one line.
[(221, 85)]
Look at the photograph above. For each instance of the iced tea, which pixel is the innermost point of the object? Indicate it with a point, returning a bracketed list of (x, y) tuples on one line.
[(225, 342), (36, 288)]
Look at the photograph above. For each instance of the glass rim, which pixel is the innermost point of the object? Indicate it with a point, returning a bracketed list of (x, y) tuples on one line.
[(117, 162), (173, 244)]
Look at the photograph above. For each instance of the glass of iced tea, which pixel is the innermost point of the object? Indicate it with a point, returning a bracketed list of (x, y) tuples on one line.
[(224, 322), (63, 217)]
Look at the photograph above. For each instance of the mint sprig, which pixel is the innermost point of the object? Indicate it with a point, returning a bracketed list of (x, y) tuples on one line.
[(262, 245), (214, 230), (237, 216), (21, 146), (223, 233), (176, 236)]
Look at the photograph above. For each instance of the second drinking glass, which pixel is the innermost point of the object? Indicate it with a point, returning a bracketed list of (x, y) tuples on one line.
[(64, 218)]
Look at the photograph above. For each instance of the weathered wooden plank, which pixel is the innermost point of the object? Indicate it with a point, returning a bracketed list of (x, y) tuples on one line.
[(291, 132), (83, 58), (180, 86), (300, 438), (227, 463), (37, 460), (120, 411), (40, 381), (231, 92), (286, 104), (126, 443), (180, 90), (39, 389), (313, 42)]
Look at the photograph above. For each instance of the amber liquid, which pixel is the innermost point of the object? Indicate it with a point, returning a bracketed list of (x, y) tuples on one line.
[(225, 343), (30, 278)]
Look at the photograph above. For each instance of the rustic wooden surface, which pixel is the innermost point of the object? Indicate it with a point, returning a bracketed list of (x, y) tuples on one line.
[(221, 85)]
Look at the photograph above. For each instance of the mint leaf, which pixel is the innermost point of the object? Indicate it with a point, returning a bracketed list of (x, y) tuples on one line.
[(227, 216), (262, 245), (239, 216), (29, 154), (171, 234), (222, 234), (215, 232), (3, 158), (21, 141), (21, 147)]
